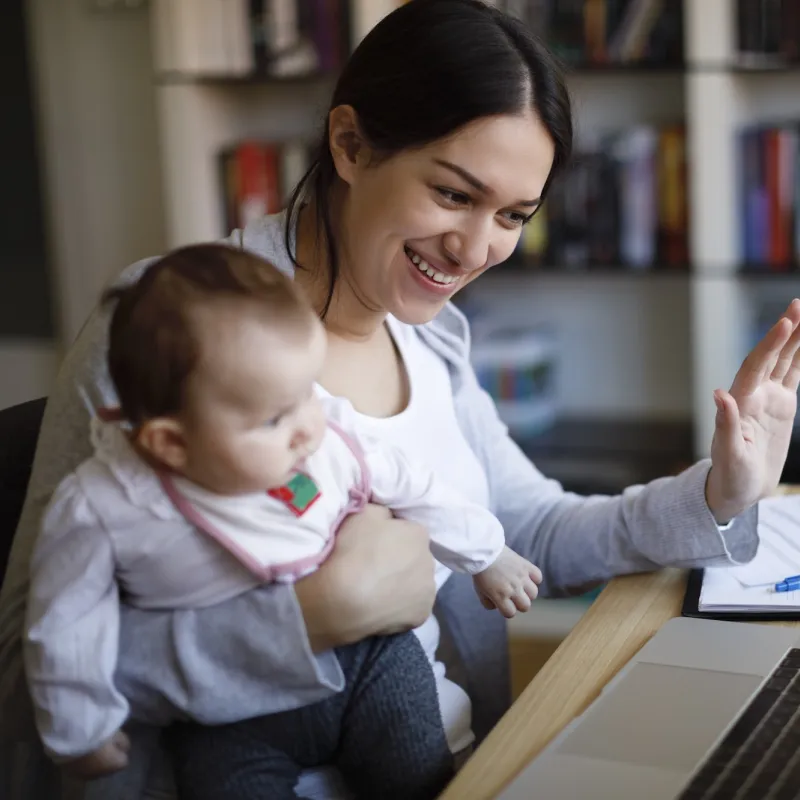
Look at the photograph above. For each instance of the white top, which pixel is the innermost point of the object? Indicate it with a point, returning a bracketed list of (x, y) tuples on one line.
[(429, 433)]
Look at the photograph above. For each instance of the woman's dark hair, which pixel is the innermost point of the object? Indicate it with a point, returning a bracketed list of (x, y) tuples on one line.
[(424, 71)]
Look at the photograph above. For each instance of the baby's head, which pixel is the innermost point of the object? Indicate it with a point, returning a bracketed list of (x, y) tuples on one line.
[(214, 354)]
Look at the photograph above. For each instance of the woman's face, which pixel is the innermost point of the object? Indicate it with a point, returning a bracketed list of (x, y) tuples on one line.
[(422, 224)]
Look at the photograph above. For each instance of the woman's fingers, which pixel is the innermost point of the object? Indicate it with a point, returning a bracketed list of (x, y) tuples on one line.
[(793, 311), (791, 380), (727, 422), (773, 356), (780, 361), (761, 361), (787, 357)]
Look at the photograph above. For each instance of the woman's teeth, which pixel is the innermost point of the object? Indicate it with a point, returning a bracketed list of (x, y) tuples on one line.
[(423, 266)]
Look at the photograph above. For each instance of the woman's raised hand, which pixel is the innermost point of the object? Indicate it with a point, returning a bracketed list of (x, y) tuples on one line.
[(754, 421)]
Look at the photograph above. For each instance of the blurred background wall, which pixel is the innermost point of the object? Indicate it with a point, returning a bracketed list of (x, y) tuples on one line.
[(81, 159), (132, 126)]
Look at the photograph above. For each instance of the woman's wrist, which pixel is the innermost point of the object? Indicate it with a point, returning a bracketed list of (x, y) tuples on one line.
[(722, 509)]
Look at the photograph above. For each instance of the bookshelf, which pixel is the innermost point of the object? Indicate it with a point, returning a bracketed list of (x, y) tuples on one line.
[(724, 307), (644, 344)]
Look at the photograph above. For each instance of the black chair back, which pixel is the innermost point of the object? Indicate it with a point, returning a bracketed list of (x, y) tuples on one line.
[(19, 432)]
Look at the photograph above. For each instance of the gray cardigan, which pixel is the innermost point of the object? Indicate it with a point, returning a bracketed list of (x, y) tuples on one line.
[(574, 540)]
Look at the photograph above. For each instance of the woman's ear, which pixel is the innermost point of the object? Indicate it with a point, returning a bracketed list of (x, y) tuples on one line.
[(348, 148), (163, 440)]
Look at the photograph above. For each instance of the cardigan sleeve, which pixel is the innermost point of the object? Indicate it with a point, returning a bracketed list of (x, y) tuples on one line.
[(72, 629), (577, 541)]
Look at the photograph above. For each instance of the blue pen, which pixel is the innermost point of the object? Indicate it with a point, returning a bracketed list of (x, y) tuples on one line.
[(788, 584)]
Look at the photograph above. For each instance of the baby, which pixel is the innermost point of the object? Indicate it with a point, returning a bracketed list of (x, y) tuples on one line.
[(226, 470)]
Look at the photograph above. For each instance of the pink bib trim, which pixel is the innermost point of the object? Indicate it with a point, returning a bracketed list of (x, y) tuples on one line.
[(288, 572)]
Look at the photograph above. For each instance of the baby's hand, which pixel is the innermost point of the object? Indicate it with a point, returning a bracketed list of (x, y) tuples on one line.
[(509, 585), (109, 757)]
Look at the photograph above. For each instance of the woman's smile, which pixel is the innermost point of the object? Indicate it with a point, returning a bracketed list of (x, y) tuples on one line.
[(430, 269), (428, 276)]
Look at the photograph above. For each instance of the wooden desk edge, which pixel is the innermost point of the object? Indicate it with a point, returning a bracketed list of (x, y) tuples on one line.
[(622, 619), (625, 615)]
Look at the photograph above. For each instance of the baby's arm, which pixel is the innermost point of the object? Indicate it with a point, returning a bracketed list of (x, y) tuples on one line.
[(71, 638), (465, 536)]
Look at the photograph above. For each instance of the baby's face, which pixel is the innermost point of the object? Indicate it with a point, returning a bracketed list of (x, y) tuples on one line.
[(252, 416)]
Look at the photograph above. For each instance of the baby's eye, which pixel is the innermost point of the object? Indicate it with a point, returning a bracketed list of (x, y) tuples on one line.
[(271, 423)]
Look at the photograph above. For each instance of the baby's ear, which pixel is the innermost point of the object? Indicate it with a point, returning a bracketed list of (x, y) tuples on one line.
[(163, 440)]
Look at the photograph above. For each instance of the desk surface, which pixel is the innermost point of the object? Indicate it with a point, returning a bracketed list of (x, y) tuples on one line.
[(625, 615)]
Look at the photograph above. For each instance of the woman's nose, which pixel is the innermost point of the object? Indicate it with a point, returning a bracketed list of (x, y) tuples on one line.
[(469, 247)]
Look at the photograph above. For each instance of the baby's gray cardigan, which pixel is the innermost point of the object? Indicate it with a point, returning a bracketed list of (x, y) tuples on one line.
[(574, 540)]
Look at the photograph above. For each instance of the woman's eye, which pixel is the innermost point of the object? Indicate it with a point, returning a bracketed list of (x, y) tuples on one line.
[(456, 198), (516, 218)]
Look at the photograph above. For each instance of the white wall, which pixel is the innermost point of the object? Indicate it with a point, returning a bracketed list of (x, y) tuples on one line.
[(95, 103), (623, 341), (99, 143)]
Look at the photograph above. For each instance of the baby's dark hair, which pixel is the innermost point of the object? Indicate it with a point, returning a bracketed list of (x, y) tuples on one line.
[(152, 343)]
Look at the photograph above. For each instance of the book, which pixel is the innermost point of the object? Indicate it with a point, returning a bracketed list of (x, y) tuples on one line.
[(622, 202), (769, 178), (257, 177)]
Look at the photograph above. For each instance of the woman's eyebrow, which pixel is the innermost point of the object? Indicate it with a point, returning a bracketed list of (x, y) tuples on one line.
[(478, 184)]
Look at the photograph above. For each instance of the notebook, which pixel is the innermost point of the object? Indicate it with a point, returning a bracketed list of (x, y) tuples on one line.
[(749, 589)]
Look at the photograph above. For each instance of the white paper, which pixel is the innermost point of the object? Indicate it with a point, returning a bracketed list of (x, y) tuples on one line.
[(752, 586)]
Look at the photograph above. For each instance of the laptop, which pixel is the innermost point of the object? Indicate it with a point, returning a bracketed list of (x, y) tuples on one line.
[(706, 709)]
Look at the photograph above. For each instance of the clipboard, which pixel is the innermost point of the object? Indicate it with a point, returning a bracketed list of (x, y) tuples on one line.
[(691, 606), (743, 592)]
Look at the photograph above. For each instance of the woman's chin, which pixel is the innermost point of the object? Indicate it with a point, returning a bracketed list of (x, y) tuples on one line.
[(416, 301), (417, 313)]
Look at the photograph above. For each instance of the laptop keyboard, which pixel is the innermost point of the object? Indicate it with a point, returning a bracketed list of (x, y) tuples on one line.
[(759, 759)]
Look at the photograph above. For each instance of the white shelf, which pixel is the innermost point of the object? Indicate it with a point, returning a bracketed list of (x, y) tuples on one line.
[(199, 119), (610, 101)]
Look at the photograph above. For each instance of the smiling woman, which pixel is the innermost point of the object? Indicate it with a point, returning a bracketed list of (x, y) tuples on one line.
[(446, 140), (456, 205), (446, 129)]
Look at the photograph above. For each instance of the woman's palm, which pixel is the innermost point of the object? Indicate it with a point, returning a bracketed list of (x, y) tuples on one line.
[(755, 419)]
